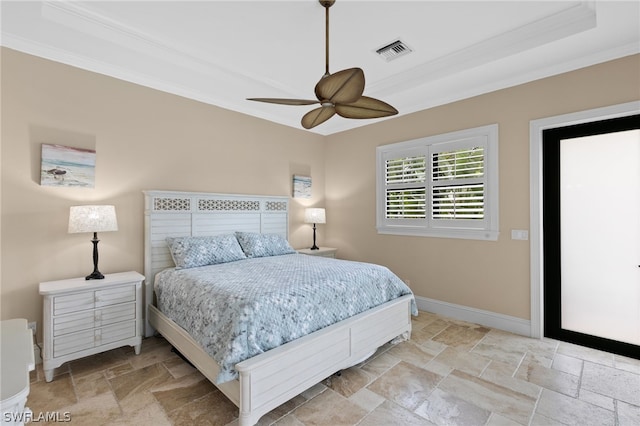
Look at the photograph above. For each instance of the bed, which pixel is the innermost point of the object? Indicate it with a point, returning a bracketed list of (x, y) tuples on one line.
[(263, 381)]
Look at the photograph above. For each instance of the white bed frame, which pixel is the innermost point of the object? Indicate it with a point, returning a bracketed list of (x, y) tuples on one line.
[(268, 380)]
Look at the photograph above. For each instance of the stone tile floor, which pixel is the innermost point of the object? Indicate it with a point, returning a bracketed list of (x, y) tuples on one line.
[(449, 373)]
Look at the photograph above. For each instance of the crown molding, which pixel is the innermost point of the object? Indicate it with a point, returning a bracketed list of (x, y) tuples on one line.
[(567, 22), (87, 21)]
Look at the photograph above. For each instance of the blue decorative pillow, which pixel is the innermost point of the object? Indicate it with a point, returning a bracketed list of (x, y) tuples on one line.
[(190, 252), (261, 245)]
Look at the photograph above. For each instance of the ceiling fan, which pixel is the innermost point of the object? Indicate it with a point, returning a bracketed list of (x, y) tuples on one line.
[(339, 93)]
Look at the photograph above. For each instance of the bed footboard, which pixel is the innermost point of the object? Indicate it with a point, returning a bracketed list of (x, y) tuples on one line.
[(276, 376)]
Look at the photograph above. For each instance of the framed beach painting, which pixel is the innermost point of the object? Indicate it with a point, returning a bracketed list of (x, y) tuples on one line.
[(301, 186), (67, 166)]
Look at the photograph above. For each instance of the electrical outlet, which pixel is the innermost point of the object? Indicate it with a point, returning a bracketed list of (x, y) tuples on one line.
[(33, 327)]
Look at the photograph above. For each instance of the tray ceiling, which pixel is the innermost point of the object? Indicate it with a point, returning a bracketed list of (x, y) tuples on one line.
[(222, 52)]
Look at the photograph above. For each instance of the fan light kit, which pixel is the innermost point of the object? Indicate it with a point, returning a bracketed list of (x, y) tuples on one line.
[(339, 93)]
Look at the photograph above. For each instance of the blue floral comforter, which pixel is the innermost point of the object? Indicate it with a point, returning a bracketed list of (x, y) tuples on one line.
[(240, 309)]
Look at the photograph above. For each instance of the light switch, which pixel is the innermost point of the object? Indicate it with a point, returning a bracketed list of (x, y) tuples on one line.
[(519, 234)]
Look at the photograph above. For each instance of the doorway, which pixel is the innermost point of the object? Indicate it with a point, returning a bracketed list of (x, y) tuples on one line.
[(591, 234)]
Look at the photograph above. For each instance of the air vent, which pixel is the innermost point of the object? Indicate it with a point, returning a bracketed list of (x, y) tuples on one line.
[(393, 50)]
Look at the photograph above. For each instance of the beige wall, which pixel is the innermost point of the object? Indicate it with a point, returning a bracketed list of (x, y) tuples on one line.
[(144, 139), (147, 139), (492, 276)]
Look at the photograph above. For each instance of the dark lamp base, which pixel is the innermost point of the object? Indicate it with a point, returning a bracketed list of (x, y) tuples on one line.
[(95, 275), (314, 246)]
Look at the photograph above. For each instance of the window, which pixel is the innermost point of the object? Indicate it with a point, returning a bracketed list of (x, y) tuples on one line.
[(440, 186)]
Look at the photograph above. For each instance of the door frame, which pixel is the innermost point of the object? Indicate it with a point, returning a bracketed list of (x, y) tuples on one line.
[(536, 128)]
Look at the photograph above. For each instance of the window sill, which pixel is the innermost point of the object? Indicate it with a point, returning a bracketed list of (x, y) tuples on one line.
[(465, 234)]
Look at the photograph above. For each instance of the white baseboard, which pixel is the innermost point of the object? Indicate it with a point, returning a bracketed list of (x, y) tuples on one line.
[(477, 316)]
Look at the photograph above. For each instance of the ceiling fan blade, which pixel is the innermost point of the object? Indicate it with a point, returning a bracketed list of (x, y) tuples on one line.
[(317, 116), (345, 86), (365, 107), (284, 101)]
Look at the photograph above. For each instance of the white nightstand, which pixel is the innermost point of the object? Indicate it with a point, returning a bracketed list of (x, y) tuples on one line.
[(322, 251), (85, 317)]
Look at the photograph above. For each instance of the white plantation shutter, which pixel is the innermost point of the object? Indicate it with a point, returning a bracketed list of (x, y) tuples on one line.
[(405, 187), (458, 202), (466, 162), (444, 185), (458, 185)]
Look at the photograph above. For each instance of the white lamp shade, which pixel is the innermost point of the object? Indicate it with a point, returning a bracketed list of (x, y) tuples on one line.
[(314, 216), (92, 219)]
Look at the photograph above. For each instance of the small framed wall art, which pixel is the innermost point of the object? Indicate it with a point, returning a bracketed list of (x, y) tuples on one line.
[(67, 166), (301, 186)]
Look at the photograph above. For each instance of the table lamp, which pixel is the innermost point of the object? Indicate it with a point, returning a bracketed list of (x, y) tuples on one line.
[(93, 219), (314, 215)]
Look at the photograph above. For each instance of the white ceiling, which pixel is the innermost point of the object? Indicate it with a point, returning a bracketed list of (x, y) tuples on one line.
[(221, 52)]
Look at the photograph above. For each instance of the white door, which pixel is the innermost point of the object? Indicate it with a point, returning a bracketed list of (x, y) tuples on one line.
[(600, 235)]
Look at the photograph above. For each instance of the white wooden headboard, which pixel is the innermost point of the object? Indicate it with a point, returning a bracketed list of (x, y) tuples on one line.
[(178, 214)]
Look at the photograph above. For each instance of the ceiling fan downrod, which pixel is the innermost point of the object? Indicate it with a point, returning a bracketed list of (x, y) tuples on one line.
[(326, 4)]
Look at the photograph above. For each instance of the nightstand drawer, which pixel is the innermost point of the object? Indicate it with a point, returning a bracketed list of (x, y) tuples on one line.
[(75, 342), (85, 320), (320, 252), (73, 303), (327, 254), (73, 323), (88, 339), (115, 332), (93, 299), (113, 296), (113, 314)]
